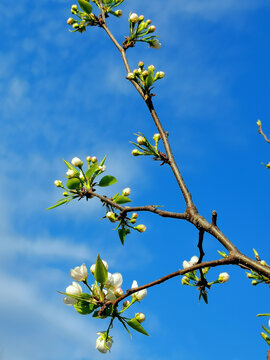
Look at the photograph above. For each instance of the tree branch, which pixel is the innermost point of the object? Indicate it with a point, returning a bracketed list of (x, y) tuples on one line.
[(260, 131)]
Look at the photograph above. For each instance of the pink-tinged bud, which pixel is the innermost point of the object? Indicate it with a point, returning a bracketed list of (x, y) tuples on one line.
[(130, 76), (94, 159), (141, 228), (141, 140), (141, 17), (133, 221), (126, 303), (140, 317), (134, 216), (70, 21), (145, 73), (152, 28), (126, 191), (223, 277), (88, 159), (151, 68), (141, 64), (148, 22), (133, 18)]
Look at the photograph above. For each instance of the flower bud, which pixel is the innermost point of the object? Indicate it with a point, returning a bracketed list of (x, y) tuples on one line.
[(254, 282), (151, 68), (148, 22), (263, 262), (75, 26), (126, 303), (79, 273), (134, 216), (111, 216), (100, 343), (250, 276), (77, 162), (58, 183), (160, 74), (93, 267), (70, 21), (141, 140), (70, 173), (94, 159), (265, 337), (223, 277), (65, 193), (141, 64), (136, 152), (102, 168), (259, 123), (126, 191), (141, 17), (139, 295), (141, 228), (133, 221), (151, 28), (145, 73), (185, 280), (268, 165), (140, 317), (74, 7), (156, 137), (130, 76), (118, 292), (118, 13), (133, 18), (88, 159)]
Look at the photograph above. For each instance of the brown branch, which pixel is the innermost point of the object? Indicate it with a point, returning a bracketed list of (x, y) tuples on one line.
[(102, 11), (226, 261), (148, 208), (214, 218), (260, 131)]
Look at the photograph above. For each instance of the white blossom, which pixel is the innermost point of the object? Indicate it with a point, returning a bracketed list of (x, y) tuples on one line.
[(126, 191), (155, 44), (58, 183), (193, 261), (70, 173), (79, 273), (74, 289), (76, 162), (223, 277), (139, 295), (100, 343)]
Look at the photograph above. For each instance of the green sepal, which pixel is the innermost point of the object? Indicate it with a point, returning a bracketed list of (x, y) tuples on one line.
[(134, 324), (59, 202), (101, 273), (84, 307), (107, 181), (85, 6), (122, 234), (265, 329), (74, 184), (121, 199)]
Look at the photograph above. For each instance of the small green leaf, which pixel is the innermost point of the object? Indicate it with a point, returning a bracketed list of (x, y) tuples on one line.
[(70, 167), (122, 234), (134, 324), (60, 202), (121, 199), (101, 273), (103, 161), (107, 181), (85, 6), (84, 307), (265, 329), (73, 184), (91, 171), (263, 315)]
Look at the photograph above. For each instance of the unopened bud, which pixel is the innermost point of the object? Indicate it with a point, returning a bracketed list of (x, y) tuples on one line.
[(134, 216), (156, 137), (254, 282), (126, 303), (148, 22), (141, 17), (185, 280), (160, 74), (94, 159), (223, 277), (259, 123), (152, 28), (140, 317), (141, 140), (151, 68), (118, 292), (88, 159), (141, 64), (141, 228), (58, 183), (111, 216), (145, 73), (74, 8), (130, 76), (102, 168), (70, 21), (133, 221), (263, 262), (136, 152), (118, 13), (77, 162), (75, 26), (126, 191), (133, 18), (70, 174), (65, 193)]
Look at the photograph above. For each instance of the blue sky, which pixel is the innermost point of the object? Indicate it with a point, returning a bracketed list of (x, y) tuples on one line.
[(64, 95)]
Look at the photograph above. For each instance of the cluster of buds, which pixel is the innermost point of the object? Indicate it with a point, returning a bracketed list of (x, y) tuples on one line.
[(109, 7), (145, 148), (125, 223), (193, 278), (99, 300), (145, 78), (140, 30), (84, 17), (80, 182), (257, 278)]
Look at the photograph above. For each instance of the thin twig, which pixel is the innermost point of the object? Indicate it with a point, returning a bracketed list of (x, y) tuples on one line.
[(214, 218), (262, 133), (102, 11)]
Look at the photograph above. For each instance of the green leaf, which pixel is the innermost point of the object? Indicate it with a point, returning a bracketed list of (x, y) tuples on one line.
[(265, 329), (101, 273), (84, 307), (91, 171), (103, 161), (107, 180), (122, 234), (60, 202), (263, 315), (85, 6), (105, 314), (121, 199), (73, 184), (70, 167), (134, 324)]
